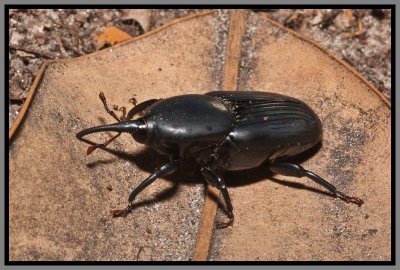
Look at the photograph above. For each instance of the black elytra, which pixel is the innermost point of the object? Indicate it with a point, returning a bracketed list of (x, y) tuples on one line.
[(222, 131)]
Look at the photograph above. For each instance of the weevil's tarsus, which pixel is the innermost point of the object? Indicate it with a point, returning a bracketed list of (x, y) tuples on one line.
[(349, 199), (123, 212), (120, 109), (223, 225), (118, 213), (133, 101)]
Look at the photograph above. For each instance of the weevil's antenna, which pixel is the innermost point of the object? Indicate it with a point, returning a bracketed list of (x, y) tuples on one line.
[(114, 127), (94, 147), (126, 125), (103, 99)]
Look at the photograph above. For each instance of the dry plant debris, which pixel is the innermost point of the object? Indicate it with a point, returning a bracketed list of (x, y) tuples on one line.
[(361, 37)]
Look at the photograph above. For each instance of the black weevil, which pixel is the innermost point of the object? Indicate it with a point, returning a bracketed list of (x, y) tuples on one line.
[(222, 131)]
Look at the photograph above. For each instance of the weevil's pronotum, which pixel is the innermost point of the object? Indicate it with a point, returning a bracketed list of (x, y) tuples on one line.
[(222, 131)]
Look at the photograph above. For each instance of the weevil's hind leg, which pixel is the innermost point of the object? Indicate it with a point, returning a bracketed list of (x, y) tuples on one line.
[(215, 180), (291, 169), (165, 169)]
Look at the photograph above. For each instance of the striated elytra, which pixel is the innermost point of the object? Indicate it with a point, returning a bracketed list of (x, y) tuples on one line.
[(222, 131)]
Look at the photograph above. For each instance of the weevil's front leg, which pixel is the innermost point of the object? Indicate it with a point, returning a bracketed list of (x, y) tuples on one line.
[(215, 180), (141, 107), (91, 148), (123, 109), (291, 169), (165, 169)]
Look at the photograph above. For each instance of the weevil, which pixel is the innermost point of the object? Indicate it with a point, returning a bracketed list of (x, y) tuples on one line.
[(222, 131)]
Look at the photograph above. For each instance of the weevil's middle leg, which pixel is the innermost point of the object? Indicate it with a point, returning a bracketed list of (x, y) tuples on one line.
[(291, 169), (215, 180)]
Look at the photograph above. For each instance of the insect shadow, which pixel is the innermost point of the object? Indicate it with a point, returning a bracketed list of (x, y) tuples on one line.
[(148, 160), (189, 173)]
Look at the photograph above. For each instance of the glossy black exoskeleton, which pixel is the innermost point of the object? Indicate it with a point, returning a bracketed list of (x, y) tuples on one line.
[(222, 131)]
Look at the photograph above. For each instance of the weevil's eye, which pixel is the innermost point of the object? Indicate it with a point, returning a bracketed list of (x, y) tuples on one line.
[(140, 133)]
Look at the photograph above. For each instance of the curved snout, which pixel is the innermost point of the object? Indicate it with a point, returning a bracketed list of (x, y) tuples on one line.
[(128, 126)]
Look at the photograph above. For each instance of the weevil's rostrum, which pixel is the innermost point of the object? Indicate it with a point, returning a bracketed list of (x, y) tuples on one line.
[(222, 131)]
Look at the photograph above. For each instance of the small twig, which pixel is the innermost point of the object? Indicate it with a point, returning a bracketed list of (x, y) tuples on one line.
[(152, 20), (360, 28), (60, 44), (73, 31), (357, 33), (48, 55), (137, 256), (17, 98)]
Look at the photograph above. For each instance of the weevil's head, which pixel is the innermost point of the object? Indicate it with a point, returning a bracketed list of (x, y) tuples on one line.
[(139, 130)]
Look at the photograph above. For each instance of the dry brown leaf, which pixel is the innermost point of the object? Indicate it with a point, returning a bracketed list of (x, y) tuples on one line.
[(59, 198), (111, 35)]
